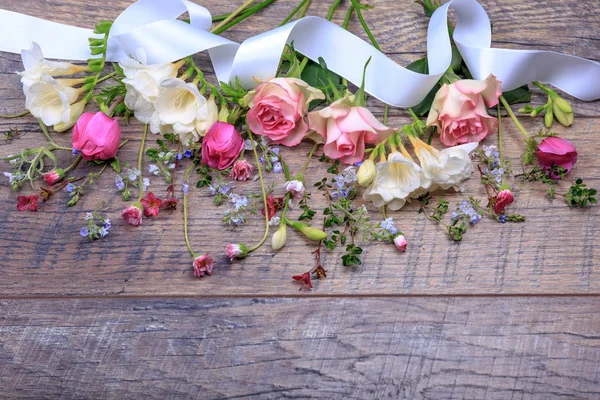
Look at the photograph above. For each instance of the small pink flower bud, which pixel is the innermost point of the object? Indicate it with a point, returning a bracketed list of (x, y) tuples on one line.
[(236, 250), (51, 177), (295, 188), (133, 214), (504, 198), (241, 170), (401, 242)]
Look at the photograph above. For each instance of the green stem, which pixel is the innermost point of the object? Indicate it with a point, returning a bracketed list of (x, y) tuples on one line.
[(294, 12), (105, 77), (356, 5), (500, 147), (312, 152), (185, 215), (386, 111), (304, 9), (45, 131), (384, 212), (332, 9), (250, 11), (264, 194), (513, 117), (348, 16), (74, 164), (139, 164), (544, 88), (14, 115), (232, 15)]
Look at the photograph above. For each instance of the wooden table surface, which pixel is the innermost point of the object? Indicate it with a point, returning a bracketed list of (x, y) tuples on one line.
[(512, 312)]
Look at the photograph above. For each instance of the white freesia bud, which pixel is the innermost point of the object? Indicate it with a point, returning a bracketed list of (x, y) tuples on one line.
[(279, 237), (295, 188), (75, 112), (395, 180), (366, 172), (446, 168), (179, 106), (207, 116)]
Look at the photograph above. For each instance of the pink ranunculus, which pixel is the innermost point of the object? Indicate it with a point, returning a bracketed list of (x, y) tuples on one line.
[(241, 170), (554, 151), (346, 129), (278, 107), (203, 265), (221, 146), (96, 136), (459, 112), (133, 214)]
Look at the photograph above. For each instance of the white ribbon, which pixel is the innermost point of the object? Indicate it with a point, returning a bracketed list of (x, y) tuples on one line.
[(153, 25)]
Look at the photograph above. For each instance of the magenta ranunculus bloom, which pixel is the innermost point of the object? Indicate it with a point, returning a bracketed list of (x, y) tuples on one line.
[(221, 146), (96, 136), (554, 151)]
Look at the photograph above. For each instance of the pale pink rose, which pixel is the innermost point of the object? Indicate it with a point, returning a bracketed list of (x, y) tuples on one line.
[(97, 136), (221, 146), (278, 107), (241, 170), (203, 265), (346, 129), (295, 188), (459, 112)]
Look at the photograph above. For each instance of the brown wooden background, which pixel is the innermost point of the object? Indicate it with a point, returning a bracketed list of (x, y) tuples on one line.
[(510, 313)]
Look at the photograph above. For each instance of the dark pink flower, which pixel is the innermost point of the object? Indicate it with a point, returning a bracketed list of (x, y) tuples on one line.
[(503, 199), (151, 205), (304, 279), (25, 203), (554, 151), (96, 136), (203, 265), (133, 214), (221, 146), (241, 170)]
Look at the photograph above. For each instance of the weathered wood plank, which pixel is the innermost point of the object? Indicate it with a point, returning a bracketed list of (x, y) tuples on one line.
[(397, 348)]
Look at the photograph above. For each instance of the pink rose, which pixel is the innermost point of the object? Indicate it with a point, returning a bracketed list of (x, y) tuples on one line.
[(203, 265), (278, 107), (459, 112), (97, 136), (554, 151), (133, 214), (241, 170), (346, 129), (221, 145)]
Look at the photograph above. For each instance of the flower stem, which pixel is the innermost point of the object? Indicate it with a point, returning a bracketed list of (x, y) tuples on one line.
[(45, 131), (185, 215), (250, 11), (384, 211), (356, 5), (15, 115), (513, 117), (543, 87), (107, 76), (386, 111), (74, 163), (232, 16), (332, 9), (139, 164), (264, 194), (302, 4), (312, 152), (348, 16), (500, 147)]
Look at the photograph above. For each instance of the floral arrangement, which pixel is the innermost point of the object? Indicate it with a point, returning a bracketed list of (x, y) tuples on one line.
[(215, 137)]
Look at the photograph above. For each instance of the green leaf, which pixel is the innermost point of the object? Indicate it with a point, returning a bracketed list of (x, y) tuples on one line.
[(519, 95), (115, 165), (316, 76), (419, 66)]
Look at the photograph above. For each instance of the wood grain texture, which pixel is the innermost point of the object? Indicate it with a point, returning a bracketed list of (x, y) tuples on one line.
[(452, 348), (556, 251)]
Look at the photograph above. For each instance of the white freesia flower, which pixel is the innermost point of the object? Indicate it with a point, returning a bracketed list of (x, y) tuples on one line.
[(50, 101), (143, 83), (37, 66), (446, 168), (180, 107), (208, 115), (395, 180)]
